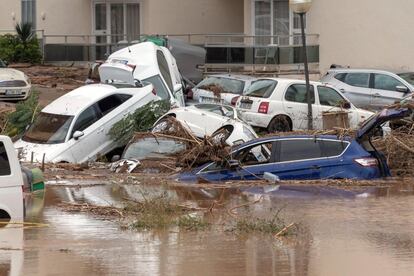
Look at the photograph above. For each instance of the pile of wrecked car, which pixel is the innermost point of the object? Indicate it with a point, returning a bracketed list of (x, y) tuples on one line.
[(217, 125)]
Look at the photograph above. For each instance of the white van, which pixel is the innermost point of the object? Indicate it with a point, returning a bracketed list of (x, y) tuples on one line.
[(148, 63), (11, 182), (74, 128)]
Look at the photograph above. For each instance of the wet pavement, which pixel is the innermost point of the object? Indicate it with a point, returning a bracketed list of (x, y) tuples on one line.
[(372, 234)]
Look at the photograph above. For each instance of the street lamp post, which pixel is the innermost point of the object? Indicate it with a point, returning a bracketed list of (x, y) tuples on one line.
[(301, 7)]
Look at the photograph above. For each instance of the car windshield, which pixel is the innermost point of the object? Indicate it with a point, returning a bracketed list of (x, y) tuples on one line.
[(48, 129), (152, 148), (222, 85), (261, 88), (408, 77)]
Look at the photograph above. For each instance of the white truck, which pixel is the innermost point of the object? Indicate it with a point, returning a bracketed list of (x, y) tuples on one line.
[(11, 182)]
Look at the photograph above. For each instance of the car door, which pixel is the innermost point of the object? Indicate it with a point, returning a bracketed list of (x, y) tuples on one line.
[(295, 104), (385, 90), (298, 158), (356, 87), (87, 122), (253, 162), (331, 101)]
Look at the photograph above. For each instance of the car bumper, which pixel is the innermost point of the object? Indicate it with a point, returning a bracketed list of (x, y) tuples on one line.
[(255, 119), (14, 93)]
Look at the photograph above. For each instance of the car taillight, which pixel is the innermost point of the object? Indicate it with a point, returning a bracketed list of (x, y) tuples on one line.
[(234, 100), (367, 162), (154, 91), (190, 94), (263, 107)]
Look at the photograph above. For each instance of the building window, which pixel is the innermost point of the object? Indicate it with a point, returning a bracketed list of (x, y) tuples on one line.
[(29, 12), (275, 22)]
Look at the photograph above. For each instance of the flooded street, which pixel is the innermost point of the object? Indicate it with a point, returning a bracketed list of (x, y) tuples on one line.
[(338, 236)]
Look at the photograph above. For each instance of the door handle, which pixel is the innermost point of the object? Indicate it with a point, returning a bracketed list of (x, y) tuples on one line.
[(377, 95), (316, 167), (342, 90), (100, 130), (289, 107)]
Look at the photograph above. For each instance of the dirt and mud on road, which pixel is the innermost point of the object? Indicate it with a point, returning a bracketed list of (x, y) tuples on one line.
[(91, 221)]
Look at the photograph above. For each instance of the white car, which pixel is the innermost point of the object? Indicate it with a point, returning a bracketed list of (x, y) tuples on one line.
[(281, 105), (146, 62), (11, 182), (74, 127), (220, 89), (14, 84), (220, 121)]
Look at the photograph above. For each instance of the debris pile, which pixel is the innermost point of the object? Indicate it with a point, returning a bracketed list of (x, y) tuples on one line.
[(5, 110), (216, 89), (398, 148), (65, 78)]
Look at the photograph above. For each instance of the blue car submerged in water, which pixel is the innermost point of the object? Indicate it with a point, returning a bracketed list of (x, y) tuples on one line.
[(304, 156)]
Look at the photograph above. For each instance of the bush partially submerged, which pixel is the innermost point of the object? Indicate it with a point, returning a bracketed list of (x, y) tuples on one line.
[(139, 121), (24, 115)]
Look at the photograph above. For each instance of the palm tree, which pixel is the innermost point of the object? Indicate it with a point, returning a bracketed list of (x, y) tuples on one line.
[(24, 32)]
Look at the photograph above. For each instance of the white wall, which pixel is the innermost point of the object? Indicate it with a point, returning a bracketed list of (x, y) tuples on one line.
[(7, 8)]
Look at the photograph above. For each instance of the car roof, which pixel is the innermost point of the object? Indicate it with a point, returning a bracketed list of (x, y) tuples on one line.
[(287, 81), (288, 137), (233, 76), (79, 99), (361, 70)]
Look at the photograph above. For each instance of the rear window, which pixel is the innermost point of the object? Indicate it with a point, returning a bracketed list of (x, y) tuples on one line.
[(223, 85), (153, 148), (4, 161), (261, 88)]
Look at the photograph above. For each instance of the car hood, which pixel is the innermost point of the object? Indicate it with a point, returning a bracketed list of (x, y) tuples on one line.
[(379, 118), (51, 151), (11, 74)]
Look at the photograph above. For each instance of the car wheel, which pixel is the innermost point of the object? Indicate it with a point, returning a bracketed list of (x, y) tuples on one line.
[(279, 124)]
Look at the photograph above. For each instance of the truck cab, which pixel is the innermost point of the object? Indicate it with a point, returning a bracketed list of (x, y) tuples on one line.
[(11, 182)]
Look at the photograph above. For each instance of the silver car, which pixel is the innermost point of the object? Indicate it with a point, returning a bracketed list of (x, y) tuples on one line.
[(371, 89)]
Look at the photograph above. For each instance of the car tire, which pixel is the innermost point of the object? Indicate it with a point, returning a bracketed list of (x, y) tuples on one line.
[(279, 123)]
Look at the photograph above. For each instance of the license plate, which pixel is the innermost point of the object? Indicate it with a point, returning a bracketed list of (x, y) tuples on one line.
[(245, 105), (13, 92), (211, 100)]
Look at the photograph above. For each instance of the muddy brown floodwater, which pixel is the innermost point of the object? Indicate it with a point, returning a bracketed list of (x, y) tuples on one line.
[(372, 234)]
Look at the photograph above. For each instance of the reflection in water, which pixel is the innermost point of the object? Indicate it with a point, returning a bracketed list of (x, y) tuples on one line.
[(342, 235)]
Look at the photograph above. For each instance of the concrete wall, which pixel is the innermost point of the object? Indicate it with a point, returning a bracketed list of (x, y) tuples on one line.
[(193, 16), (7, 8), (368, 33)]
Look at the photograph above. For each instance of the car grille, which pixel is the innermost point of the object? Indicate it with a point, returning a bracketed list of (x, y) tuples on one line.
[(13, 83)]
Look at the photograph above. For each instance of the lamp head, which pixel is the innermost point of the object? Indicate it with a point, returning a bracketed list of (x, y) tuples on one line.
[(300, 6)]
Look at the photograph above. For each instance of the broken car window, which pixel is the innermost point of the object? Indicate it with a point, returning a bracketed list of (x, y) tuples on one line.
[(48, 129), (297, 93), (152, 147), (258, 154), (261, 88), (222, 85), (4, 161)]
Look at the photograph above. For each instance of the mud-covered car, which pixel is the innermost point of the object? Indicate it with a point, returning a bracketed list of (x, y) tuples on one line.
[(219, 121), (304, 157), (220, 89), (14, 84)]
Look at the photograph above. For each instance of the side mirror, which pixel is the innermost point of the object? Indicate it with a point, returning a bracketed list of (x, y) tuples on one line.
[(346, 105), (401, 88), (177, 87), (115, 158), (78, 134), (233, 164)]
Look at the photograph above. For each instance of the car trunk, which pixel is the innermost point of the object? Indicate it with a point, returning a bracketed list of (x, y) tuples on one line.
[(251, 104), (370, 128)]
